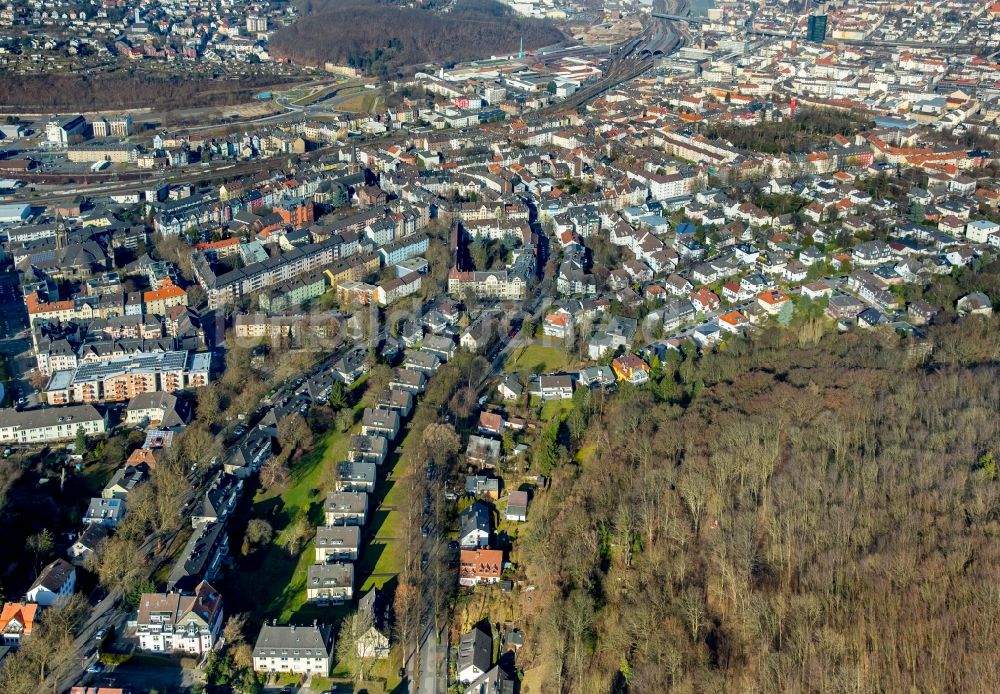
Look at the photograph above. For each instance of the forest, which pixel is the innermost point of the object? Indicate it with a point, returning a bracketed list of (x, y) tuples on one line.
[(809, 127), (795, 513), (74, 93), (381, 40)]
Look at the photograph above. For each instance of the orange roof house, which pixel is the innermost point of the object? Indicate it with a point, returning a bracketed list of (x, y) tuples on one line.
[(491, 422), (772, 301), (704, 299), (733, 322), (480, 566), (16, 621)]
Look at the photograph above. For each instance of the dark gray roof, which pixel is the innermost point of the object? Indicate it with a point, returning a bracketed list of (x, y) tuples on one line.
[(314, 641), (475, 648)]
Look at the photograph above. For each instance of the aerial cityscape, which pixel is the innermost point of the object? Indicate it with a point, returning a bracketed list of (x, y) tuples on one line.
[(499, 346)]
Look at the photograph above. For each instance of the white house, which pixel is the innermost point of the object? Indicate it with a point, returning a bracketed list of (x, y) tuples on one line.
[(305, 650), (54, 584), (168, 622), (978, 231), (475, 655), (50, 424)]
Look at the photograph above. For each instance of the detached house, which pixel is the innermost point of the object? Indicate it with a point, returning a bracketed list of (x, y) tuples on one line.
[(772, 301), (17, 620), (346, 508), (510, 387), (480, 566), (54, 585), (558, 324), (631, 369), (373, 642), (475, 655), (517, 506), (330, 582), (305, 650), (554, 387), (475, 526)]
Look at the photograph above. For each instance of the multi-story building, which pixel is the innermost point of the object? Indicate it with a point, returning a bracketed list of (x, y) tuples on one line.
[(117, 380), (256, 24), (231, 286), (115, 126), (337, 543), (54, 585), (61, 130), (306, 650), (330, 582), (202, 557), (497, 285), (391, 291), (346, 508), (168, 622), (403, 249), (47, 425)]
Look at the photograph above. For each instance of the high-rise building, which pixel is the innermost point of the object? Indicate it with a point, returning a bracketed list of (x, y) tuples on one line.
[(817, 28), (256, 24)]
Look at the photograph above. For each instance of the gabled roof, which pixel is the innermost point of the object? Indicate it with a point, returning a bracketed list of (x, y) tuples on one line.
[(54, 576), (475, 649), (21, 614)]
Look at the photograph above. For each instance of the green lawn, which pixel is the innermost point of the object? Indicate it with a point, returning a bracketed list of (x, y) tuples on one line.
[(555, 408), (539, 358), (273, 580)]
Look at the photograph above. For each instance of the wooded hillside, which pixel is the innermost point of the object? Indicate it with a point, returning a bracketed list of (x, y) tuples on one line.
[(379, 39), (20, 93), (792, 514)]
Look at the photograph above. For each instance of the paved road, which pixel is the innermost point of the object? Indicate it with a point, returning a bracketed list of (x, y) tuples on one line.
[(433, 664)]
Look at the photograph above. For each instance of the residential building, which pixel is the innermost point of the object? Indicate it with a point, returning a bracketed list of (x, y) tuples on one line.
[(475, 526), (380, 423), (517, 506), (355, 477), (54, 585), (337, 543), (631, 369), (201, 559), (168, 622), (124, 378), (157, 409), (369, 449), (346, 508), (475, 655), (330, 582), (374, 641), (51, 424), (17, 621), (108, 512), (305, 650)]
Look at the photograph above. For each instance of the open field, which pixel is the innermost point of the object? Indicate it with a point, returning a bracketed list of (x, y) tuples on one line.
[(539, 359)]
